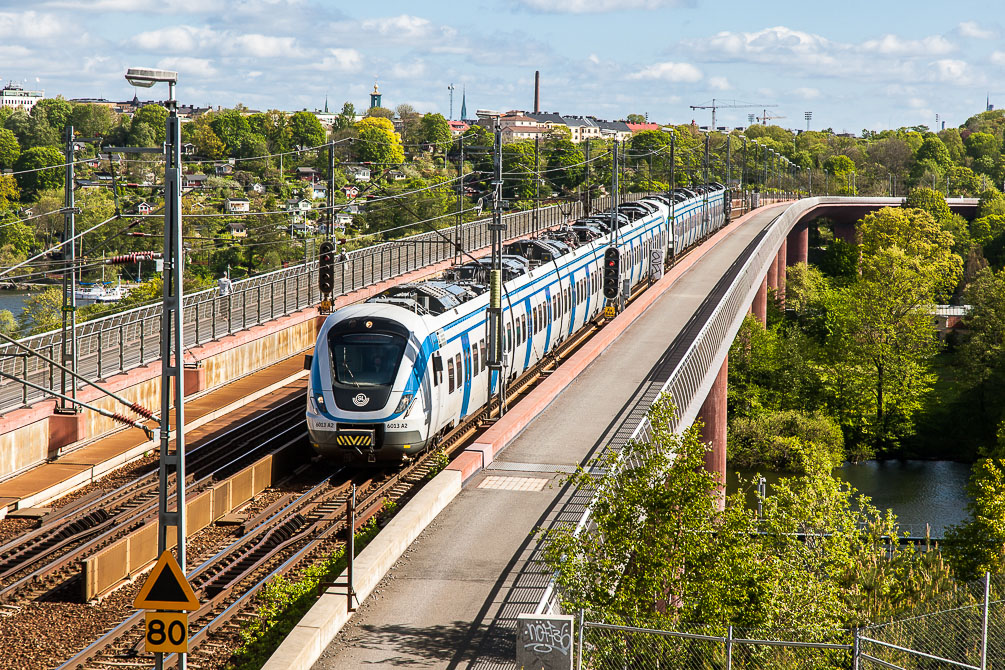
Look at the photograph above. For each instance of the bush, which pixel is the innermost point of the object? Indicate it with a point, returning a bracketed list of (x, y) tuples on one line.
[(790, 441)]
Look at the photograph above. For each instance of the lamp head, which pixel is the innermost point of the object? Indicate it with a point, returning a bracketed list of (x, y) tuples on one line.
[(147, 77)]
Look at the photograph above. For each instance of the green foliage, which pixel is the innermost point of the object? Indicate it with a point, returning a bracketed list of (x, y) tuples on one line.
[(32, 180), (659, 551), (207, 144), (18, 237), (42, 312), (565, 169), (9, 148), (518, 170), (978, 545), (788, 441), (440, 461), (55, 112), (346, 118), (92, 120), (285, 600), (148, 121), (9, 192), (986, 228), (232, 128), (840, 260), (434, 130), (378, 143), (305, 130)]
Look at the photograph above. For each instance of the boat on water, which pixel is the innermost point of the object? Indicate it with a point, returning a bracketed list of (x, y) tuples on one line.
[(89, 294)]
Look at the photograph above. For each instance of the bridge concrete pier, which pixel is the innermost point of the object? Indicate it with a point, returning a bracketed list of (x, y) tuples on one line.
[(844, 230), (772, 275), (760, 305), (713, 430), (798, 244)]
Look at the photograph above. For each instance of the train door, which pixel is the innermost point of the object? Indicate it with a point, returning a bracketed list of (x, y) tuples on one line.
[(464, 370), (548, 316)]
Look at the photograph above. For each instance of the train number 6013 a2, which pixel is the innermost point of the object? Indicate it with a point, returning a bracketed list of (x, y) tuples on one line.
[(167, 632)]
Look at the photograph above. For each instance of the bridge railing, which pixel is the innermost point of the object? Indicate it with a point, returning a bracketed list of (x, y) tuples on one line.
[(126, 340)]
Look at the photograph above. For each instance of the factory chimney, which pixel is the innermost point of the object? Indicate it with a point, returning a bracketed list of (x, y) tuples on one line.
[(537, 91)]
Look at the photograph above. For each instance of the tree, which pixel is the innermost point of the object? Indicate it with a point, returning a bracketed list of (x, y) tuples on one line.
[(919, 236), (380, 112), (31, 179), (983, 145), (565, 163), (19, 123), (346, 118), (92, 120), (9, 193), (154, 116), (56, 112), (378, 143), (635, 118), (928, 200), (306, 130), (42, 312), (788, 440), (982, 353), (232, 128), (9, 148), (207, 144), (518, 170), (434, 129), (978, 545), (658, 551), (881, 338), (18, 237)]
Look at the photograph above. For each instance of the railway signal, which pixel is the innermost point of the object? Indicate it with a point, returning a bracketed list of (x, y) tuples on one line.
[(326, 271), (612, 272)]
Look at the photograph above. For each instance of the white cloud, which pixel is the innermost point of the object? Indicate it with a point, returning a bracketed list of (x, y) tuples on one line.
[(594, 59), (176, 39), (998, 58), (596, 6), (263, 46), (669, 71), (719, 83), (408, 70), (31, 25), (807, 93), (197, 67), (934, 45), (973, 30), (953, 71), (917, 103)]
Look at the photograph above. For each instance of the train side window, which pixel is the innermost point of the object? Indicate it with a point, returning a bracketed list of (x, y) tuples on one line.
[(450, 375), (523, 328), (460, 370), (474, 358), (481, 345), (509, 337), (437, 369)]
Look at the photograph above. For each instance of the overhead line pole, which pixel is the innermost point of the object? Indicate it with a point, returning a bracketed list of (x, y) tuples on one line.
[(494, 312), (68, 343)]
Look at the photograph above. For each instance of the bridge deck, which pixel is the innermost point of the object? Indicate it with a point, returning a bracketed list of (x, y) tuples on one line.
[(452, 600)]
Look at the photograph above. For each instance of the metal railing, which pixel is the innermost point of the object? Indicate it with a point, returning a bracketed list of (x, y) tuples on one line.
[(121, 342)]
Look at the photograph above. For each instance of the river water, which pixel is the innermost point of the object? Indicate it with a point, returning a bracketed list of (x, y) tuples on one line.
[(918, 492), (14, 300)]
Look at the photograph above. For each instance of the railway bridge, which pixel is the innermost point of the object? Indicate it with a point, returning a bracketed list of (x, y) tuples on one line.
[(453, 599)]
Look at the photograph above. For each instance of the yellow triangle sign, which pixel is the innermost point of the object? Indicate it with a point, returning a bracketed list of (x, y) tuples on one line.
[(166, 588)]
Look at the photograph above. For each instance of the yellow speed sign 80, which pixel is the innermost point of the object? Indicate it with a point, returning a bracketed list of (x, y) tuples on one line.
[(167, 632)]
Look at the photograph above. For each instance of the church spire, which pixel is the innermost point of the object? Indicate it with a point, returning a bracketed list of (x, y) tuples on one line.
[(464, 106)]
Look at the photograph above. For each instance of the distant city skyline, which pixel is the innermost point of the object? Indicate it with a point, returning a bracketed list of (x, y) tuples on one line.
[(862, 65)]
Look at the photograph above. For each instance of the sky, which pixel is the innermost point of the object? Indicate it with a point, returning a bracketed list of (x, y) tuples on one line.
[(854, 64)]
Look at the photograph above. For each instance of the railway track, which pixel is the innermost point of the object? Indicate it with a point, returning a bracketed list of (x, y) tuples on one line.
[(282, 533)]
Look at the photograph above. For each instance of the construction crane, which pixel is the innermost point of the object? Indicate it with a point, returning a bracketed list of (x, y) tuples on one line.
[(767, 117), (734, 105)]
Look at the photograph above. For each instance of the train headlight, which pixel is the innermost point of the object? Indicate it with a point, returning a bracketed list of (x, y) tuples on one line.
[(403, 403)]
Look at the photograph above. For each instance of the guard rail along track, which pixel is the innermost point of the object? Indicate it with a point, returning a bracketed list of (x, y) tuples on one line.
[(127, 340)]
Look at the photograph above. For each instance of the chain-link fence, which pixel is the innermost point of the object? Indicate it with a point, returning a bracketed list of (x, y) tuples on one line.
[(963, 628), (615, 647)]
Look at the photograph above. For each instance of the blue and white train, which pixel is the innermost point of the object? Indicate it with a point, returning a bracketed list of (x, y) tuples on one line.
[(389, 376)]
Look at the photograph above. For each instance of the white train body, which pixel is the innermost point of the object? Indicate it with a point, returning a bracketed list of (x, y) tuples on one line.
[(385, 380)]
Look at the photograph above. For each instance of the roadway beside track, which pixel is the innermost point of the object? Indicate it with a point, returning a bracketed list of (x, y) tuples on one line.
[(452, 599)]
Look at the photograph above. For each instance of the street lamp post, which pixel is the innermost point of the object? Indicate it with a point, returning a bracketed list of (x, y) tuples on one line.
[(172, 334)]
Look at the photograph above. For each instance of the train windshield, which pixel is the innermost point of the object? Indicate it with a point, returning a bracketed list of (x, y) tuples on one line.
[(366, 359)]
